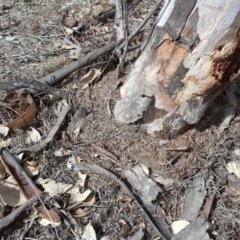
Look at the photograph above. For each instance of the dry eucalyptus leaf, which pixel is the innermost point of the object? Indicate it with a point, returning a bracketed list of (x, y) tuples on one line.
[(33, 136), (164, 181), (53, 188), (177, 226), (82, 178), (26, 116), (4, 130), (92, 75), (76, 196), (145, 169), (10, 194), (80, 213), (61, 152), (31, 168), (89, 233), (68, 30), (234, 167), (45, 222), (127, 199), (125, 229), (4, 144)]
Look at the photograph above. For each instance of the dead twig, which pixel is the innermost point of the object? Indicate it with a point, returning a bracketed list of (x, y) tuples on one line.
[(105, 152), (104, 172), (32, 85), (10, 218), (39, 146), (57, 76), (208, 206)]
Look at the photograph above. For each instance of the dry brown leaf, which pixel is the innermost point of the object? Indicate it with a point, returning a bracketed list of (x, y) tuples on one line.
[(76, 196), (53, 188), (92, 75), (127, 199), (26, 117), (125, 229), (10, 194), (177, 226), (31, 168)]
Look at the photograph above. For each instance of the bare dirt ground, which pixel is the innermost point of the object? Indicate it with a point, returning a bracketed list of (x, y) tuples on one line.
[(32, 45)]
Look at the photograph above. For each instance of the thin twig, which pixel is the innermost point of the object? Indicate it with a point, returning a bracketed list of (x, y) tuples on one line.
[(105, 152), (10, 218), (32, 85), (104, 172), (41, 145)]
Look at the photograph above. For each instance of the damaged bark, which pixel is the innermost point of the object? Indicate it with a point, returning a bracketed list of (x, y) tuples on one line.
[(192, 55)]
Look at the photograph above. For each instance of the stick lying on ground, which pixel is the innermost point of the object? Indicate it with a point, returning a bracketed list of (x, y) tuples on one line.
[(10, 218), (41, 145), (104, 172), (36, 85), (57, 76)]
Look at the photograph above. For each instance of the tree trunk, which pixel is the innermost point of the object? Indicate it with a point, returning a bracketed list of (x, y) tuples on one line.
[(192, 55)]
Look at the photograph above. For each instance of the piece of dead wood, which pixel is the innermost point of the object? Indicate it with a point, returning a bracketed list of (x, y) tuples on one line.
[(105, 152), (148, 191), (197, 230), (10, 218), (36, 85), (164, 232), (121, 19), (41, 145), (193, 198), (208, 206), (26, 184)]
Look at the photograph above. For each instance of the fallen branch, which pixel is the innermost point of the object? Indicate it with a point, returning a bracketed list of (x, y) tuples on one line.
[(41, 145), (57, 76), (102, 171), (32, 85), (10, 218)]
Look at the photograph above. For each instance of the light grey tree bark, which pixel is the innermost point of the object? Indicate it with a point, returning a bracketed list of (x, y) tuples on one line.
[(192, 55)]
